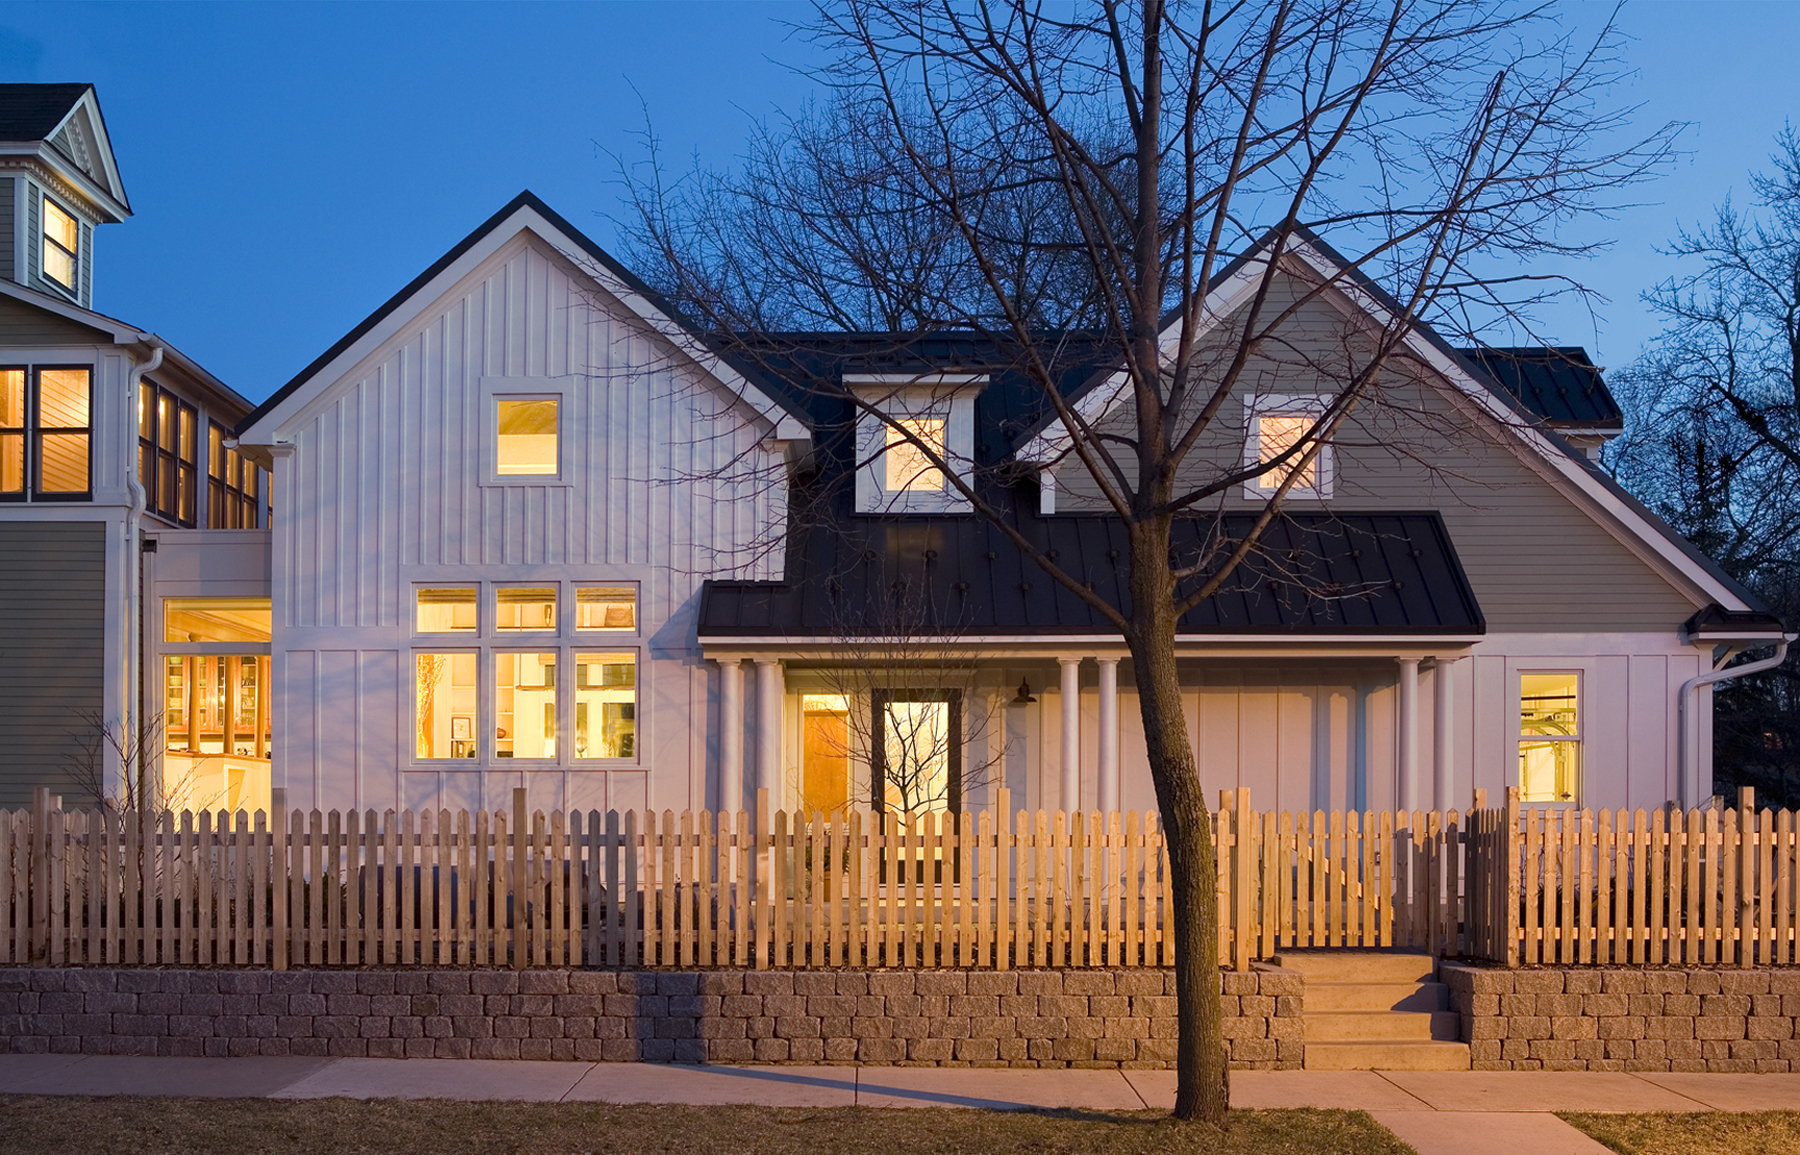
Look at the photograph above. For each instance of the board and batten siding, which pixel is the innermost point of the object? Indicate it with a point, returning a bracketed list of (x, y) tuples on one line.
[(664, 482), (52, 654), (1537, 560)]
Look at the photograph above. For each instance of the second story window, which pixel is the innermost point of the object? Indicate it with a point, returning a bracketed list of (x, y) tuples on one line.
[(907, 465), (45, 434), (62, 246), (1278, 426), (168, 452), (525, 438), (235, 485)]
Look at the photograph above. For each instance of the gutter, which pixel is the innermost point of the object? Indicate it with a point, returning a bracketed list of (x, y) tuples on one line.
[(1688, 754)]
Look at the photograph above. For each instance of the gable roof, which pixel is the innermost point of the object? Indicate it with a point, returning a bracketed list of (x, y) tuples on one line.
[(487, 237), (62, 125)]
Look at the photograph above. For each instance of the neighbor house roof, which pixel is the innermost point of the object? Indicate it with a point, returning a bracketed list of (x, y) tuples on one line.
[(1556, 383), (1313, 574)]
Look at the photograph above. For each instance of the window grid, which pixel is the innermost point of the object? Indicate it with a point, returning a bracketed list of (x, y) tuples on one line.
[(235, 486), (46, 433), (168, 453), (62, 246)]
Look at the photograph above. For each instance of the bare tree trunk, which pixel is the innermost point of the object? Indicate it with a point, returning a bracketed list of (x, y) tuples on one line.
[(1203, 1081)]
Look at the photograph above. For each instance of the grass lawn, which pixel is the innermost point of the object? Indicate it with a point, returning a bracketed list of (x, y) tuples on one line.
[(1712, 1133), (53, 1125)]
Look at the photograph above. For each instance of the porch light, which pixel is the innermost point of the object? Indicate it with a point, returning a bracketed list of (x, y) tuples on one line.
[(1023, 697)]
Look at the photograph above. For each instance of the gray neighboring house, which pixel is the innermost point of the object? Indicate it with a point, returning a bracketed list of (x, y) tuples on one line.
[(113, 445)]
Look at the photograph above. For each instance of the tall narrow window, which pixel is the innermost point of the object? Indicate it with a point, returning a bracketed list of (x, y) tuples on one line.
[(525, 705), (907, 465), (233, 485), (605, 705), (1550, 737), (12, 433), (62, 244), (444, 702), (917, 759), (526, 437), (168, 453), (825, 756), (62, 434), (216, 717)]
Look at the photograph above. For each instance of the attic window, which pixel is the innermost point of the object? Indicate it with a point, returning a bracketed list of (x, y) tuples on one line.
[(908, 466), (1280, 425), (62, 244), (526, 439)]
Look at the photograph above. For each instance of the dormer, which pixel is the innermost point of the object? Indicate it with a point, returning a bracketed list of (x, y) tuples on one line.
[(58, 181), (900, 414)]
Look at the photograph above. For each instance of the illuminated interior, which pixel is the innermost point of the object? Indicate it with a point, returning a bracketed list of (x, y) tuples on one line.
[(444, 689), (446, 611), (525, 610), (825, 766), (62, 242), (525, 705), (12, 431), (1276, 433), (526, 441), (907, 466), (606, 608), (1550, 737), (215, 711), (916, 749), (605, 706)]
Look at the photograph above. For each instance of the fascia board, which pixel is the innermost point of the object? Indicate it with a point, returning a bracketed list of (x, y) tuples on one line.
[(103, 141), (119, 331), (270, 428), (984, 646)]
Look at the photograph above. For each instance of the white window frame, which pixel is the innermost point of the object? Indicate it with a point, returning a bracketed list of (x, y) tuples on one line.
[(497, 389), (949, 397), (1516, 674), (565, 641), (1264, 485)]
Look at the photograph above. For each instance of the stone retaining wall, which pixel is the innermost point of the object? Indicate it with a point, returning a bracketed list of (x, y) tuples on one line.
[(899, 1018), (1636, 1019)]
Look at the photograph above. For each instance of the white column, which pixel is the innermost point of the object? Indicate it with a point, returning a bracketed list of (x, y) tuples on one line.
[(1070, 798), (731, 735), (1109, 734), (1406, 732), (768, 729), (1442, 731)]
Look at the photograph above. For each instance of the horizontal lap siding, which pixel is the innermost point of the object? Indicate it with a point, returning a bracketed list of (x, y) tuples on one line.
[(1535, 559), (388, 478), (52, 652)]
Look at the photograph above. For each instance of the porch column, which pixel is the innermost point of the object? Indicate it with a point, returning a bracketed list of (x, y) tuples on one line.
[(1109, 734), (768, 729), (1406, 732), (731, 735), (1442, 732), (1071, 734)]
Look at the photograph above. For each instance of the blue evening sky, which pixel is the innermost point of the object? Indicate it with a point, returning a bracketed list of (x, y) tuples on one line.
[(293, 165)]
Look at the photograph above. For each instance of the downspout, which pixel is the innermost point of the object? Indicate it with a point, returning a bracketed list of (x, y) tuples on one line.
[(133, 737), (1686, 751)]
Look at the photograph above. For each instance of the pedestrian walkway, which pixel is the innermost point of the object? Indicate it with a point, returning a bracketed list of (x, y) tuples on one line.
[(1447, 1112)]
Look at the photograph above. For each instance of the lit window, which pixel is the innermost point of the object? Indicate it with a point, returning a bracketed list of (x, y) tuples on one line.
[(446, 611), (825, 782), (918, 745), (526, 437), (167, 453), (62, 434), (444, 689), (525, 610), (233, 485), (606, 608), (12, 432), (1277, 433), (1279, 425), (1550, 737), (62, 242), (216, 619), (605, 705), (907, 466), (524, 705)]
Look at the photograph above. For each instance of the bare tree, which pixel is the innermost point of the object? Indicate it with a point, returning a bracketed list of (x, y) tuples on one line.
[(1713, 443), (95, 742), (1068, 184)]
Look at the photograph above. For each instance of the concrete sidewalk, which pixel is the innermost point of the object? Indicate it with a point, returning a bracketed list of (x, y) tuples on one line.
[(1449, 1112)]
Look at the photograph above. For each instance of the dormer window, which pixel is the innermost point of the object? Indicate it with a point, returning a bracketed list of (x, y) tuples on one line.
[(1276, 425), (915, 425), (62, 246)]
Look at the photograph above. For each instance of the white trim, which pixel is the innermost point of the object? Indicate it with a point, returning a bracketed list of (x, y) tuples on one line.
[(524, 222), (119, 331), (946, 397), (492, 391)]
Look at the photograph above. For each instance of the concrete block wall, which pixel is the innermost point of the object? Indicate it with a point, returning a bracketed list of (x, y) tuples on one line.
[(1106, 1018), (1628, 1019)]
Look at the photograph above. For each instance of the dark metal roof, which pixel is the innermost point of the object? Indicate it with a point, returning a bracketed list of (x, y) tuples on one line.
[(1717, 621), (932, 577), (1557, 383), (32, 111)]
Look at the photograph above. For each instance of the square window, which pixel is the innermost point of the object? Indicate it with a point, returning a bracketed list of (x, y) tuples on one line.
[(525, 610), (525, 705), (1550, 736), (526, 437), (605, 705), (446, 611), (1279, 425), (907, 466), (444, 689), (606, 608)]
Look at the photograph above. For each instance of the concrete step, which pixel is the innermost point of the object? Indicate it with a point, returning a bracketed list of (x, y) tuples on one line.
[(1387, 1056), (1376, 997), (1359, 966), (1383, 1026)]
